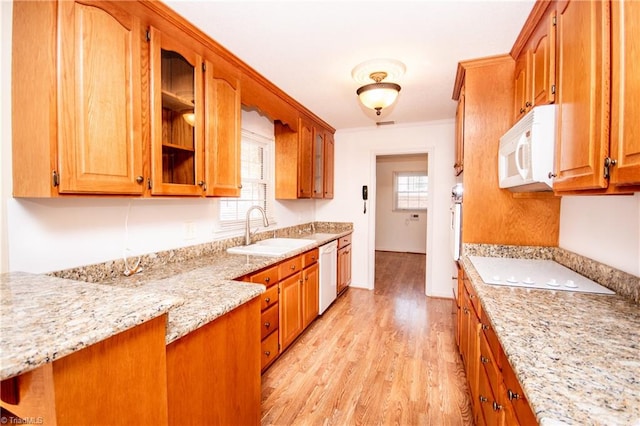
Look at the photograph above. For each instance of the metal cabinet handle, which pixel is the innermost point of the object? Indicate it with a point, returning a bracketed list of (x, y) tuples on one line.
[(484, 359), (140, 179), (203, 184), (267, 299), (522, 110), (267, 324), (528, 104), (552, 175), (267, 353), (496, 406), (266, 280), (512, 395), (485, 327), (483, 399), (293, 267)]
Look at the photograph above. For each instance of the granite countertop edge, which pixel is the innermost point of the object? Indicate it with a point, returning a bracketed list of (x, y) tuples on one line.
[(555, 395)]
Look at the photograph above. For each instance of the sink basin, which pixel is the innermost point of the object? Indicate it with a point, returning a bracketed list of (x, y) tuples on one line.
[(293, 243), (272, 247)]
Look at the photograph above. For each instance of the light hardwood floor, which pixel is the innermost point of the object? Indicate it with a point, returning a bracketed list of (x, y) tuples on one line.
[(375, 357)]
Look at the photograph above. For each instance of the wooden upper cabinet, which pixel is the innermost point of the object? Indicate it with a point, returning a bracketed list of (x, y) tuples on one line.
[(625, 109), (459, 148), (535, 69), (223, 129), (582, 142), (318, 162), (77, 127), (305, 158), (329, 158), (543, 61), (522, 88), (100, 120), (177, 118)]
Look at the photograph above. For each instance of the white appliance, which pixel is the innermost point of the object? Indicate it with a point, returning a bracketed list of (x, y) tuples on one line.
[(525, 158), (455, 231), (328, 265), (533, 273)]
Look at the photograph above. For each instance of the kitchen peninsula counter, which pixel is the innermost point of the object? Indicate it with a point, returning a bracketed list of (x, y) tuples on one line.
[(576, 355), (44, 318)]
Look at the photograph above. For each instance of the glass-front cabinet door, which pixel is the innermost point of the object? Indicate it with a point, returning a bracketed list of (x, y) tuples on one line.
[(177, 121)]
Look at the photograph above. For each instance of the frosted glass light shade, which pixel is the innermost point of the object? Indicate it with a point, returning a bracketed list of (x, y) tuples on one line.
[(378, 95)]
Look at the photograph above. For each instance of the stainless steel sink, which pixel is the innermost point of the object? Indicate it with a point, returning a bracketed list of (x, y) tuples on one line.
[(272, 247)]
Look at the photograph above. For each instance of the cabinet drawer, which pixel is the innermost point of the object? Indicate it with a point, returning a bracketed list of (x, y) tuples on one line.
[(515, 394), (269, 297), (492, 339), (267, 276), (487, 360), (269, 350), (309, 258), (290, 266), (269, 321), (344, 241), (473, 296)]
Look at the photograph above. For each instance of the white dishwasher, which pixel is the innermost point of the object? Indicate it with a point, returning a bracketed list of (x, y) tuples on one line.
[(328, 264)]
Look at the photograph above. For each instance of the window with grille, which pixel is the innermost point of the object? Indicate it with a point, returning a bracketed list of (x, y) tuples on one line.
[(256, 170), (410, 190)]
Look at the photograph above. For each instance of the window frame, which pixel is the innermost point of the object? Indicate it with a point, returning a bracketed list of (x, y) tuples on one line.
[(396, 175), (229, 226)]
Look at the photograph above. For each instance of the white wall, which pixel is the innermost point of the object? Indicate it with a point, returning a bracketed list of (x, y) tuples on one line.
[(603, 228), (355, 152), (398, 230)]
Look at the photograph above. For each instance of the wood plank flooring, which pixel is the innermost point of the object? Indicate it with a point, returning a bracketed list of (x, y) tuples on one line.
[(375, 357)]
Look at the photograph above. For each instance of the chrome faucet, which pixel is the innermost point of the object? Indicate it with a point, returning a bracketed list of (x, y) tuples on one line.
[(247, 229)]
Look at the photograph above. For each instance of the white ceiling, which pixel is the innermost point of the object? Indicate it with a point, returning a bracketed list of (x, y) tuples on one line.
[(308, 48)]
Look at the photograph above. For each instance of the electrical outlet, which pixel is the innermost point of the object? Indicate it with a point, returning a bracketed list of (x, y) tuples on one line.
[(189, 231)]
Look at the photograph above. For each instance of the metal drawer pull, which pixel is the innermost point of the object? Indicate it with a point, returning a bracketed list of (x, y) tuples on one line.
[(512, 395), (266, 280), (496, 406), (267, 353), (267, 324), (484, 359), (485, 327), (483, 399), (293, 267), (267, 299)]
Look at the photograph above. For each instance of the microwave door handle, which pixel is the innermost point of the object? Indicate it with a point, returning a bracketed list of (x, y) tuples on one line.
[(519, 150)]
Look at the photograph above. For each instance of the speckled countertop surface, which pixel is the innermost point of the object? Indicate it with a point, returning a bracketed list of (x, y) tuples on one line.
[(44, 318), (206, 284), (576, 355)]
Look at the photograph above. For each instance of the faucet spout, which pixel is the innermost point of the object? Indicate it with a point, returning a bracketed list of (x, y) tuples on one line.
[(247, 228)]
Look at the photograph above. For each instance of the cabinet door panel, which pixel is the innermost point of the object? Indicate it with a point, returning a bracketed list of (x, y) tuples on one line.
[(625, 114), (305, 159), (328, 165), (543, 62), (310, 294), (223, 116), (583, 98), (522, 86), (177, 117), (290, 310), (100, 128)]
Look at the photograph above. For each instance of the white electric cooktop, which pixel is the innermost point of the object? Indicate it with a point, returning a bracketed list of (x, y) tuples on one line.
[(541, 274)]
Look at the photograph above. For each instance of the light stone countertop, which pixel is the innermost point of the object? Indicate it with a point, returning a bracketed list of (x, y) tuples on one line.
[(206, 284), (576, 355), (44, 318)]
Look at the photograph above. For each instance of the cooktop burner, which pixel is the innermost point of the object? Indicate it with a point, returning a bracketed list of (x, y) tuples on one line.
[(541, 274)]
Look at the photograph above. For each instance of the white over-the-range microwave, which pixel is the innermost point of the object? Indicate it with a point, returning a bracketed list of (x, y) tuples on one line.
[(525, 159)]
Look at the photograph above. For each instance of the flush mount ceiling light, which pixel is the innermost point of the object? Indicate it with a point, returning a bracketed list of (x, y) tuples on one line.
[(379, 94)]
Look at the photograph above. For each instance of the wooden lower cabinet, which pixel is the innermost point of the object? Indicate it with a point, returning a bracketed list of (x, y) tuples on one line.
[(496, 396), (118, 381), (290, 309), (289, 304), (213, 373), (344, 263)]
